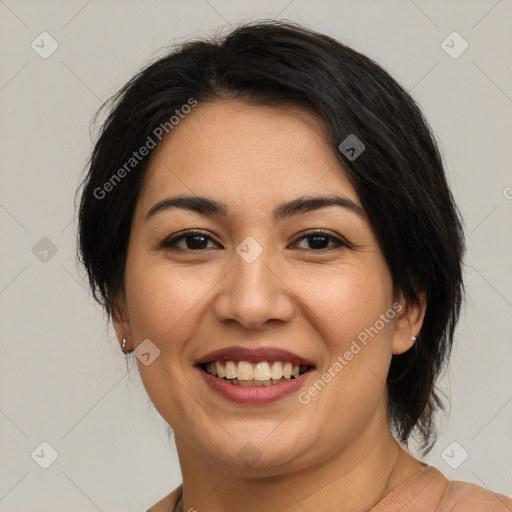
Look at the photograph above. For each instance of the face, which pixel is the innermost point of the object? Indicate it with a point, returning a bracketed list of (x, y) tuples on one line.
[(254, 279)]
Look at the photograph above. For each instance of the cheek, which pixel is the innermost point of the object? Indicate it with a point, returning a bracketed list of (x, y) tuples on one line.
[(351, 386), (344, 301), (163, 304), (163, 300), (355, 319)]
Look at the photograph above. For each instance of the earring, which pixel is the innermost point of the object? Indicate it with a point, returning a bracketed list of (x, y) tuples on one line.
[(413, 338), (123, 347)]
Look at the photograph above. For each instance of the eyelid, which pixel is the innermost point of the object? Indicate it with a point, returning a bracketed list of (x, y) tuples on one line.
[(171, 241), (338, 241)]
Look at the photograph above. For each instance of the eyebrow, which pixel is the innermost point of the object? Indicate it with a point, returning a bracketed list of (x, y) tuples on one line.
[(213, 208)]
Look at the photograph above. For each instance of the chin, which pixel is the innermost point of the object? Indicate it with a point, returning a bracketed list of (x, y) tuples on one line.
[(258, 455)]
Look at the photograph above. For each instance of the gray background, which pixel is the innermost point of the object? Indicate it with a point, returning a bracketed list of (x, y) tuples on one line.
[(63, 379)]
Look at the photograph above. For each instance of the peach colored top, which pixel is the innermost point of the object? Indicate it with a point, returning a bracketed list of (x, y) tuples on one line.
[(427, 491)]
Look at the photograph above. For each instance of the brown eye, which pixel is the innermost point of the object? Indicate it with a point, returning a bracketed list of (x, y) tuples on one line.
[(198, 241), (193, 241), (318, 241)]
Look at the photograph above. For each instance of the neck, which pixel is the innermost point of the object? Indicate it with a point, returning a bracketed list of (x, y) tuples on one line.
[(356, 478)]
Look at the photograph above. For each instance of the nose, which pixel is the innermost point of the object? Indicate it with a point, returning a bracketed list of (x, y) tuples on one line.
[(254, 293)]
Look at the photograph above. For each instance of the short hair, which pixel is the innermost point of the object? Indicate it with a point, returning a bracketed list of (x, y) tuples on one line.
[(399, 177)]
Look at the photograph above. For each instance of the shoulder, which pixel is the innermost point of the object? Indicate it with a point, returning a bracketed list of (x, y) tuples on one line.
[(168, 503), (465, 496), (429, 490)]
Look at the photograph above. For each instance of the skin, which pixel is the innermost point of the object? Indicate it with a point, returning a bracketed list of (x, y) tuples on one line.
[(338, 448)]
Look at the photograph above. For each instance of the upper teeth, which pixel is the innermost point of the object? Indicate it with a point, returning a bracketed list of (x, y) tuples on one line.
[(243, 370)]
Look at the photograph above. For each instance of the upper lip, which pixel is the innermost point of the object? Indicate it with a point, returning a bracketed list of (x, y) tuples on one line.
[(253, 355)]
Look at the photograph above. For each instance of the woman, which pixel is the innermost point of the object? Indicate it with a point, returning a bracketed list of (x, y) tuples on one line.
[(266, 220)]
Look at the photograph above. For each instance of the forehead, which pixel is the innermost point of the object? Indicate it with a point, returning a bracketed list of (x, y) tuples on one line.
[(242, 153)]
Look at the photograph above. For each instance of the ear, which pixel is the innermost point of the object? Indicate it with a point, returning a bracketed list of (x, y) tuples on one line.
[(121, 322), (408, 323)]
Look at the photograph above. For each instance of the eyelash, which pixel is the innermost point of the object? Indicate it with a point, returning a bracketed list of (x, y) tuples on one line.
[(170, 243)]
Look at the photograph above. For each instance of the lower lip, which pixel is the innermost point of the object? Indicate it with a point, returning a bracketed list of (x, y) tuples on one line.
[(253, 395)]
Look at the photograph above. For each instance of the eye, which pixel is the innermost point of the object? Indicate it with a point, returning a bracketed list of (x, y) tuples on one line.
[(194, 240), (198, 240), (318, 239)]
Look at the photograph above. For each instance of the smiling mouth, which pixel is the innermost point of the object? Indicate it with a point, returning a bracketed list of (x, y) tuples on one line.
[(263, 373)]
